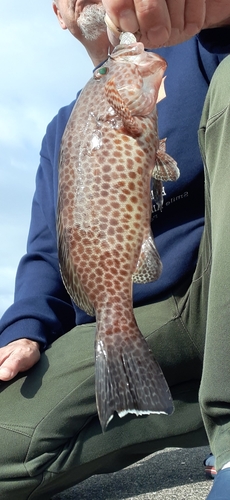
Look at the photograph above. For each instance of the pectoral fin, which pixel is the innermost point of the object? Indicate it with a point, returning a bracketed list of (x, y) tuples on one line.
[(165, 168), (131, 124)]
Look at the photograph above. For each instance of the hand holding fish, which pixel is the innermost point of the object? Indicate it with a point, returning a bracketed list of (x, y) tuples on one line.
[(165, 22), (18, 356)]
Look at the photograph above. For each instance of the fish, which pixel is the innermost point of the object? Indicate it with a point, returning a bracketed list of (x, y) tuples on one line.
[(110, 153)]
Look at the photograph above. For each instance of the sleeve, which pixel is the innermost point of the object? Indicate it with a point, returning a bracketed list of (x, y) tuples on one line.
[(216, 40), (42, 309)]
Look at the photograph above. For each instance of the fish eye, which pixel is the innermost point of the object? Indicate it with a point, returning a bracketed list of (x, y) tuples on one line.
[(100, 72)]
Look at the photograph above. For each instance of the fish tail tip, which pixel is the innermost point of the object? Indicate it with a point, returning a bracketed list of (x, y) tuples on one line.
[(130, 383)]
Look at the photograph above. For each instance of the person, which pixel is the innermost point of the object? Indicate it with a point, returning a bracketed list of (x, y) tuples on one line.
[(49, 430)]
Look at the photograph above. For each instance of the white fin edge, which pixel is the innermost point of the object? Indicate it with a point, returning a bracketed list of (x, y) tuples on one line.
[(139, 412)]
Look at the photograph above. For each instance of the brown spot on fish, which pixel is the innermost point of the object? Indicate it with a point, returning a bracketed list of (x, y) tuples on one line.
[(113, 222), (106, 168), (117, 154)]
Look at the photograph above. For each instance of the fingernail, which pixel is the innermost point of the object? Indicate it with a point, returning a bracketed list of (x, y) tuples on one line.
[(111, 26), (128, 21), (114, 40)]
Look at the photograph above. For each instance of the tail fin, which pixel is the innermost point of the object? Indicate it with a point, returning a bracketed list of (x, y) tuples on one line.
[(129, 379)]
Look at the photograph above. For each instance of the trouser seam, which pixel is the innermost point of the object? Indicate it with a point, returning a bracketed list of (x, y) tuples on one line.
[(185, 329), (159, 329), (215, 117), (47, 414), (200, 354), (204, 271), (16, 431), (36, 487)]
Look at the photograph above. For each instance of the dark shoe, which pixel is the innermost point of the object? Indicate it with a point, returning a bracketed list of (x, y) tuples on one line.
[(221, 486), (209, 466)]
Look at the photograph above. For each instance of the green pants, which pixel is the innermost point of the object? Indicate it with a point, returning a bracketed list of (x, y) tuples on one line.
[(50, 435), (214, 139)]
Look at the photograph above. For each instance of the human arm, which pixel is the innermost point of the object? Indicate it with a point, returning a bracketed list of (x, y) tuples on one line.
[(170, 22), (42, 310)]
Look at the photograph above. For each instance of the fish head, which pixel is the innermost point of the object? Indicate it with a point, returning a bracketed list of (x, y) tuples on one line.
[(137, 75)]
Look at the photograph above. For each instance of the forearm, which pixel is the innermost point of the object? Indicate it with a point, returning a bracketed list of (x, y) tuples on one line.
[(42, 310)]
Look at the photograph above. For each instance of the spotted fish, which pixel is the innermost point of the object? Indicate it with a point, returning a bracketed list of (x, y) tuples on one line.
[(109, 151)]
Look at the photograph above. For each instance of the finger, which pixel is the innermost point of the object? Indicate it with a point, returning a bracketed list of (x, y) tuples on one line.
[(14, 365), (217, 13), (112, 31), (154, 22), (6, 374), (195, 11), (177, 19), (16, 357), (122, 14), (149, 17), (187, 19), (9, 369)]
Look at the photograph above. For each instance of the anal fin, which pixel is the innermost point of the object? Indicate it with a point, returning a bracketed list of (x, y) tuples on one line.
[(149, 264)]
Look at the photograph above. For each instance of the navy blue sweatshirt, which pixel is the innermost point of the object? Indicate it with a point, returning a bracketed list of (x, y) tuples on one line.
[(42, 310)]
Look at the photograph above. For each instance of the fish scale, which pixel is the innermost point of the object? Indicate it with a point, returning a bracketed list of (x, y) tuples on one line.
[(108, 155)]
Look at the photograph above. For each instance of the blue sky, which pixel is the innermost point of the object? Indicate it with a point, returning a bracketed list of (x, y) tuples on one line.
[(42, 68)]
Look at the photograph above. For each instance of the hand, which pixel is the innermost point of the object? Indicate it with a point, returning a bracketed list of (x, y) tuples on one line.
[(18, 356), (166, 22)]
